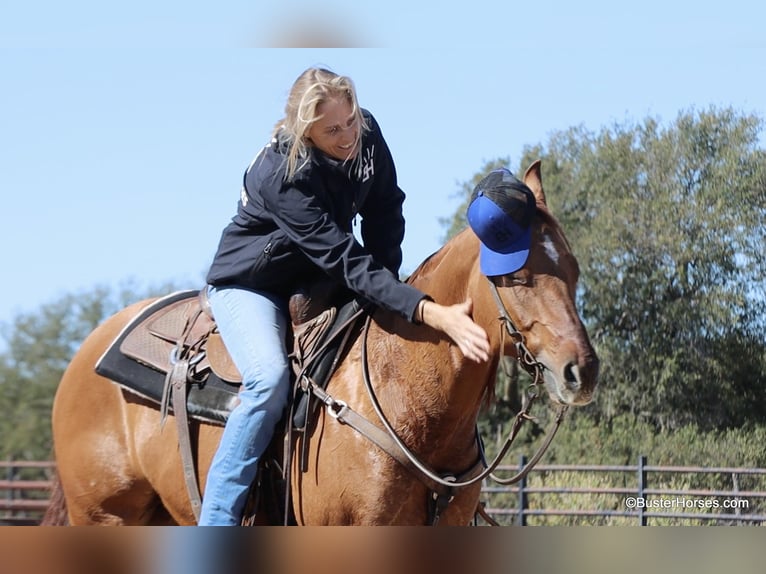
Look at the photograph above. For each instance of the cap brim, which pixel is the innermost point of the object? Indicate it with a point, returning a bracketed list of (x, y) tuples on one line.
[(494, 263)]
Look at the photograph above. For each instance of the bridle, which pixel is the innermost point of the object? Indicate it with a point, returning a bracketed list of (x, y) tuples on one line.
[(535, 369)]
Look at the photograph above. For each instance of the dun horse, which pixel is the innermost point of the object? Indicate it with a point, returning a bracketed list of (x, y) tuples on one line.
[(116, 466)]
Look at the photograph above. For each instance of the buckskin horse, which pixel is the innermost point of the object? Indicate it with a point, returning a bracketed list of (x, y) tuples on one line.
[(116, 466)]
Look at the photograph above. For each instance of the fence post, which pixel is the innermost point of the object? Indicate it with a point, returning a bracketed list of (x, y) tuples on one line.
[(735, 491), (11, 471), (521, 519), (641, 488)]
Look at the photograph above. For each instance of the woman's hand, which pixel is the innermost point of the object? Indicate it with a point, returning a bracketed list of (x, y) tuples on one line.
[(455, 321)]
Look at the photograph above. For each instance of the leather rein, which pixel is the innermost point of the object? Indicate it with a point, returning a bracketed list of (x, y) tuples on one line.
[(443, 486)]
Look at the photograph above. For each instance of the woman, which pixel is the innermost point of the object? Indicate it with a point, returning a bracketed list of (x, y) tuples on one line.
[(327, 162)]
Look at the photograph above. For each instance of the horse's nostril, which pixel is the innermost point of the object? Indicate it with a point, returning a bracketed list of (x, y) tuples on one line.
[(570, 376)]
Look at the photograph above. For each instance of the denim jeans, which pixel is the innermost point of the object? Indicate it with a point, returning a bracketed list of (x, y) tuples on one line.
[(253, 326)]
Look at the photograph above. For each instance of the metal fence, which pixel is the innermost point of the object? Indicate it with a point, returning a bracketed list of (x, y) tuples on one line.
[(640, 494), (24, 491)]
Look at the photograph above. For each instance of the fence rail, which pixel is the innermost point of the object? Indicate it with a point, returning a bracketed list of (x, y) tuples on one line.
[(24, 490), (640, 494)]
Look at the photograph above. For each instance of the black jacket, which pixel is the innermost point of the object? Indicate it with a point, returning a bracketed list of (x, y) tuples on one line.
[(284, 232)]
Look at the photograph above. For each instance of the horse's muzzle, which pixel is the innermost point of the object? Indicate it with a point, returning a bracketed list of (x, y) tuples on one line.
[(575, 382)]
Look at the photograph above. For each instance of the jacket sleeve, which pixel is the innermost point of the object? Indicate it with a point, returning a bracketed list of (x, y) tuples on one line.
[(382, 225), (307, 223)]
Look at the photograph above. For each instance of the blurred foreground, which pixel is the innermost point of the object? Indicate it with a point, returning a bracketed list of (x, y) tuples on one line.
[(335, 550)]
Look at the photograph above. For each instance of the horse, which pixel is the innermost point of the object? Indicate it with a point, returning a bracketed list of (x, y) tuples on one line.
[(116, 465)]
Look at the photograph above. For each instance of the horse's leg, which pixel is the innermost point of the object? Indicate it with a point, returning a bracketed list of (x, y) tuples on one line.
[(102, 481), (157, 450)]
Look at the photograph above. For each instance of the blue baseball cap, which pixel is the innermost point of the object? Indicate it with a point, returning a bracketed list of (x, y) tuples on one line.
[(500, 214)]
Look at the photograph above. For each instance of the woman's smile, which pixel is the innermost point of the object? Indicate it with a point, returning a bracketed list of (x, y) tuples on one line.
[(336, 132)]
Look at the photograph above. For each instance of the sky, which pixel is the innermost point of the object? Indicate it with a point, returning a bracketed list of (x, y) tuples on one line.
[(125, 128)]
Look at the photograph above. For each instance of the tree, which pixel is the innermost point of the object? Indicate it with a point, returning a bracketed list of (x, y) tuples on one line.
[(38, 348), (668, 226)]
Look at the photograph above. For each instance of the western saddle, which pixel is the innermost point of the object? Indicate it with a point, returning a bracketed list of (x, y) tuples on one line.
[(180, 339)]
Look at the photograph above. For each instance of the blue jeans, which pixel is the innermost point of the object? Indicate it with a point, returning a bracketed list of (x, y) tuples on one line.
[(253, 326)]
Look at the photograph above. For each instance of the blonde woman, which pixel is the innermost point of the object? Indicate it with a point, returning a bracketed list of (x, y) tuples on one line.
[(326, 163)]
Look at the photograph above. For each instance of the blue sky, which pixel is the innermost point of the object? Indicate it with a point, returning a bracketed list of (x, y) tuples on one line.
[(125, 130)]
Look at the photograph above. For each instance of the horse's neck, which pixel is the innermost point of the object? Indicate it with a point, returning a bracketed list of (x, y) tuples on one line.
[(448, 387), (452, 275), (446, 275)]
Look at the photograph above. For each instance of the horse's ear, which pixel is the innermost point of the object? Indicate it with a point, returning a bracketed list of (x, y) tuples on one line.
[(534, 180)]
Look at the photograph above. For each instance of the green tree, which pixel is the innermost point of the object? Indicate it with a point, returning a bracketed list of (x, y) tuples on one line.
[(667, 222), (37, 349), (669, 227)]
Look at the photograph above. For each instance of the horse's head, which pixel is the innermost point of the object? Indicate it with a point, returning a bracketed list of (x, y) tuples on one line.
[(540, 300)]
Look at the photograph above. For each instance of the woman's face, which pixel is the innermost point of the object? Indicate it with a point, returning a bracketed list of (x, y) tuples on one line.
[(337, 131)]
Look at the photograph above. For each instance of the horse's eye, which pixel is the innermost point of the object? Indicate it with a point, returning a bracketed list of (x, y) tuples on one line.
[(520, 277)]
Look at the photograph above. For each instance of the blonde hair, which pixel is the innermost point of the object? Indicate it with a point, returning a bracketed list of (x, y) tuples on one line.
[(312, 88)]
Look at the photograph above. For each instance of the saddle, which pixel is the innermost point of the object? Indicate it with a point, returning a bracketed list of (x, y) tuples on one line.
[(181, 327), (172, 354)]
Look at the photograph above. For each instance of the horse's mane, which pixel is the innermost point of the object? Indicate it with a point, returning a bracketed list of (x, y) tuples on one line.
[(422, 267)]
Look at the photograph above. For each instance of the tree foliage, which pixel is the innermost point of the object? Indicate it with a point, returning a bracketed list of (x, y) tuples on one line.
[(37, 349), (667, 222)]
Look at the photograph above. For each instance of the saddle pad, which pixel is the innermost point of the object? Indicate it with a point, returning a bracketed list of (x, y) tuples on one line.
[(210, 401)]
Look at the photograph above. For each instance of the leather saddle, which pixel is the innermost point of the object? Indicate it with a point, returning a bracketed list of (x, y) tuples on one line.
[(180, 328)]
